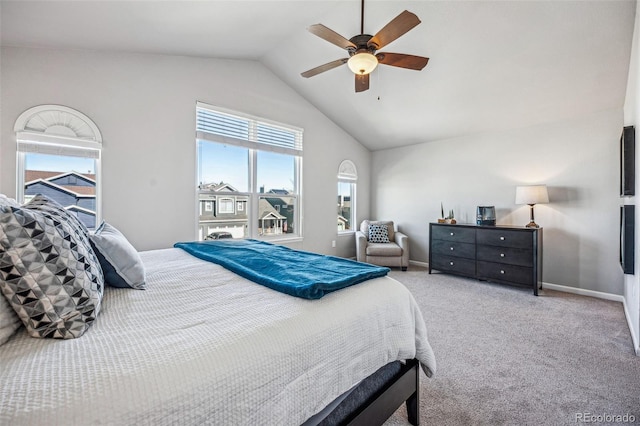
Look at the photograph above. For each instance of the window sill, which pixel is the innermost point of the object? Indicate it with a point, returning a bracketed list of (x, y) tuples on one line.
[(346, 233), (282, 239)]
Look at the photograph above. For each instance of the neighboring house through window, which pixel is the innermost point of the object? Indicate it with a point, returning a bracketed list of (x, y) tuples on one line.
[(58, 155), (347, 179), (252, 164)]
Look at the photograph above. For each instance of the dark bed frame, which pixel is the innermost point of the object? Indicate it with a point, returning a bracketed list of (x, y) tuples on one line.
[(379, 396)]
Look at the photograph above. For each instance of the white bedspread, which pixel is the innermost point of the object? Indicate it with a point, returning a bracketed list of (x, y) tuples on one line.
[(204, 346)]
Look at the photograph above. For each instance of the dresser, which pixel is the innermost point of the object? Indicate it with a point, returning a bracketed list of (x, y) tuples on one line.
[(501, 254)]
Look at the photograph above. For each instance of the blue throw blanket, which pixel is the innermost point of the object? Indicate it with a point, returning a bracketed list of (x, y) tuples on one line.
[(297, 273)]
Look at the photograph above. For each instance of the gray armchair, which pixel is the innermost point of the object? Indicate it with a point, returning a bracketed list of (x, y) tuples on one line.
[(393, 253)]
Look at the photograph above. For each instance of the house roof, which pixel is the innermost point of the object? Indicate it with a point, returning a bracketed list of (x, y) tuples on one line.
[(33, 177), (218, 187), (266, 210), (494, 65)]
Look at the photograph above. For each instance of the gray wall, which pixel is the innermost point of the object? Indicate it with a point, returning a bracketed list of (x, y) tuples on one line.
[(578, 161), (632, 118), (144, 106)]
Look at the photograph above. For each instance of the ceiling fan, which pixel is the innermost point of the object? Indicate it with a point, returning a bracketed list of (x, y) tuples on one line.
[(362, 49)]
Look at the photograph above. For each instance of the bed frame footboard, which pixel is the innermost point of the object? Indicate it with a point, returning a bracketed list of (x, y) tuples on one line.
[(405, 388)]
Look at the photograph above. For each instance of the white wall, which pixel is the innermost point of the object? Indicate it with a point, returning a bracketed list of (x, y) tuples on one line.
[(632, 118), (144, 106), (577, 160)]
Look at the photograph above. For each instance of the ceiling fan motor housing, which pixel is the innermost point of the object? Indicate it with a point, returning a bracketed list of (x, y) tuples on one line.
[(362, 44)]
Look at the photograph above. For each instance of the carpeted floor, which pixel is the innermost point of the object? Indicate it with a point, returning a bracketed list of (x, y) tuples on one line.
[(506, 357)]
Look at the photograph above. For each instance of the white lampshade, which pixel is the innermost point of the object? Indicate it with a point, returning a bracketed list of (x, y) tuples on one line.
[(532, 194), (362, 63)]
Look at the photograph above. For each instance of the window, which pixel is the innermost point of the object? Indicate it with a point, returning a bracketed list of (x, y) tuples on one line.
[(252, 164), (226, 205), (58, 155), (208, 206), (347, 177)]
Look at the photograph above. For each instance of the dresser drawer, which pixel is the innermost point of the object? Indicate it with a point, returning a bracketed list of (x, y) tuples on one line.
[(505, 238), (508, 255), (453, 248), (455, 265), (503, 272), (453, 233)]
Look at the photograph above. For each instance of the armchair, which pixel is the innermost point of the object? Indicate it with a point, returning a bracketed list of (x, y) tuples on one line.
[(378, 243)]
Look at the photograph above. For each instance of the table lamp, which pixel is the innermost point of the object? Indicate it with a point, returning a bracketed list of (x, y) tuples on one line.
[(532, 195)]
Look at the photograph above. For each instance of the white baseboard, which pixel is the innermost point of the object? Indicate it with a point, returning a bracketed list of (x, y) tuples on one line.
[(584, 292), (415, 262), (636, 344)]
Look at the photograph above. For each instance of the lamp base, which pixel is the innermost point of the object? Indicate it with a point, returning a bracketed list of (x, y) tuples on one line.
[(532, 224)]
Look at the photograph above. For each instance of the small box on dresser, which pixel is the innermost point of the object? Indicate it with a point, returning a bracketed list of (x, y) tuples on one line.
[(502, 254)]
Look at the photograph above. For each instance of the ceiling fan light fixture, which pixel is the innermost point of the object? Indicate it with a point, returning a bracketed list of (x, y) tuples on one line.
[(362, 63)]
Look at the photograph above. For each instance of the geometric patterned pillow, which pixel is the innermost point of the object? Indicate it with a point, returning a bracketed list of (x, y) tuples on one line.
[(48, 271), (9, 320), (378, 234)]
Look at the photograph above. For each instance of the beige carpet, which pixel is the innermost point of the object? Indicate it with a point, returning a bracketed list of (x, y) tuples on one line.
[(506, 357)]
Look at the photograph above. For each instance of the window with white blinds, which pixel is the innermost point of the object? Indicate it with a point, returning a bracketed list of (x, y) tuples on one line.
[(216, 125), (253, 162)]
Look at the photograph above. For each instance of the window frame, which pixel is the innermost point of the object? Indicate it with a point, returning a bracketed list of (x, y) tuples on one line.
[(347, 173), (254, 146), (62, 131)]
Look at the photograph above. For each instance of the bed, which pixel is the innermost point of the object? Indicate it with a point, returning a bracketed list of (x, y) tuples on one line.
[(202, 345)]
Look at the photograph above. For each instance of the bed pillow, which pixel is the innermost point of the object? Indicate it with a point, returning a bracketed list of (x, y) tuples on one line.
[(120, 261), (378, 233), (9, 320), (48, 271)]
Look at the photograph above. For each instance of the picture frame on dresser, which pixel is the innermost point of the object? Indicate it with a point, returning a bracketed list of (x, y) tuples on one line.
[(627, 249), (627, 161)]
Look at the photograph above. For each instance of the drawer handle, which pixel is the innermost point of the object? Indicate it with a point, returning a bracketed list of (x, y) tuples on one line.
[(451, 263), (502, 271), (451, 234), (501, 238), (501, 254), (451, 248)]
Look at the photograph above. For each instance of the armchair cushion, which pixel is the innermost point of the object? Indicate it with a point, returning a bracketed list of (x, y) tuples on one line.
[(378, 233), (383, 249)]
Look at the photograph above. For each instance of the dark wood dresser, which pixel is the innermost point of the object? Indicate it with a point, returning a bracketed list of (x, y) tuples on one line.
[(502, 254)]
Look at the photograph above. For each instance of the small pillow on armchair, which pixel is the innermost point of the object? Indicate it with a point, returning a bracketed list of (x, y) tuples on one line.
[(378, 233)]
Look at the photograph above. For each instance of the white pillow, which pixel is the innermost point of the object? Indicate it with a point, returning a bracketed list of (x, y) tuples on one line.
[(120, 261)]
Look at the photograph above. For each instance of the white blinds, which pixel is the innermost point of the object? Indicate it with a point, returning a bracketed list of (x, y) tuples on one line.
[(53, 145), (249, 132)]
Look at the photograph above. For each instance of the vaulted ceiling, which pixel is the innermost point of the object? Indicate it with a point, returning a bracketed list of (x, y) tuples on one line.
[(493, 64)]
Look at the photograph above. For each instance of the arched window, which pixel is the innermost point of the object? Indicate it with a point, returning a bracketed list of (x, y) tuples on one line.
[(58, 153), (347, 179)]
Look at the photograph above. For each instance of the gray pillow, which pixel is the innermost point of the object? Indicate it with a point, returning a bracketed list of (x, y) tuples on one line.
[(9, 320), (48, 270), (120, 261)]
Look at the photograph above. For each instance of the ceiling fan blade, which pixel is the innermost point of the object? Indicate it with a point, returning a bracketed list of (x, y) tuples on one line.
[(331, 36), (362, 82), (401, 60), (322, 68), (394, 29)]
